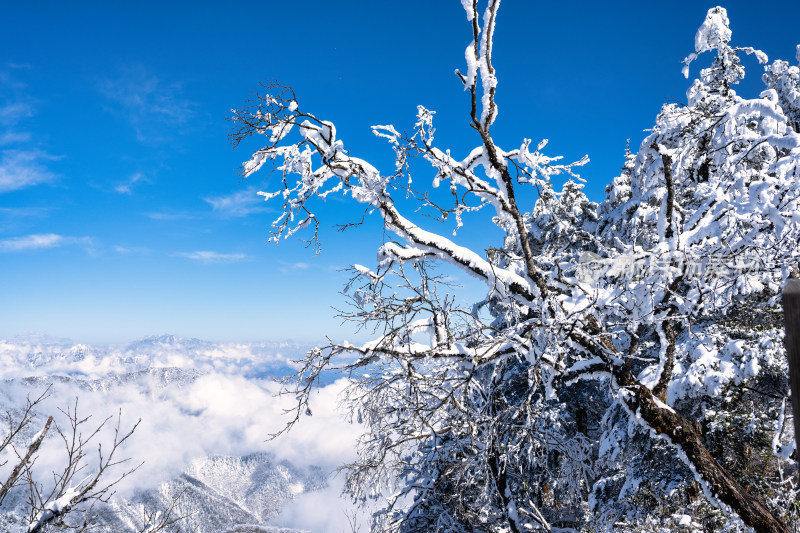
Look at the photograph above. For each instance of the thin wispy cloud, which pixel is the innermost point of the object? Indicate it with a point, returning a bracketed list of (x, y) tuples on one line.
[(289, 267), (14, 110), (206, 256), (23, 212), (126, 187), (148, 102), (12, 113), (163, 215), (24, 168), (11, 137), (10, 82), (21, 166), (31, 242), (239, 204), (39, 241), (125, 250)]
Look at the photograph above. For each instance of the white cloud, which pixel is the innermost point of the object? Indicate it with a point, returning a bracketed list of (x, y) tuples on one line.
[(40, 241), (126, 186), (299, 265), (325, 511), (19, 168), (219, 413), (31, 242), (239, 204), (21, 212), (206, 256), (130, 249), (23, 168), (169, 216), (213, 415), (11, 137), (11, 114), (147, 102)]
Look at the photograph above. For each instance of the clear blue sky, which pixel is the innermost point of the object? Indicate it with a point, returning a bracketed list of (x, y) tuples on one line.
[(121, 211)]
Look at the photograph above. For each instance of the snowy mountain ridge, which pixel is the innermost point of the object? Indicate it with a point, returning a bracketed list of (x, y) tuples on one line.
[(218, 494), (36, 355)]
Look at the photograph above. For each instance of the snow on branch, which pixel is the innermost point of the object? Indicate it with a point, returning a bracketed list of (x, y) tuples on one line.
[(602, 328)]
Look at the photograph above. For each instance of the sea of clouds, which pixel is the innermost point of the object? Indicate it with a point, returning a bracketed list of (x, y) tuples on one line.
[(223, 402)]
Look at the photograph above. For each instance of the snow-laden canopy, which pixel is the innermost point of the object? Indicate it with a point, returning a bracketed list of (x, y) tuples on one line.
[(631, 374)]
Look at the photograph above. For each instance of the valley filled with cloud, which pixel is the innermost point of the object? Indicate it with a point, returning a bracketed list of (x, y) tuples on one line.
[(207, 411)]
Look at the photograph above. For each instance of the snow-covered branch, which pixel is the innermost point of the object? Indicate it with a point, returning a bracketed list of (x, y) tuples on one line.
[(621, 349)]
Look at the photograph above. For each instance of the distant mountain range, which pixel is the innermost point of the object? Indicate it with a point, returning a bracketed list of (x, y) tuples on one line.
[(35, 354), (219, 493)]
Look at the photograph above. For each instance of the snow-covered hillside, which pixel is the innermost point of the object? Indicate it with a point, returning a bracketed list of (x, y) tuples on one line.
[(206, 412)]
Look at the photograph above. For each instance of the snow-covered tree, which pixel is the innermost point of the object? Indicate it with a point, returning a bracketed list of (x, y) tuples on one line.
[(630, 374), (785, 80)]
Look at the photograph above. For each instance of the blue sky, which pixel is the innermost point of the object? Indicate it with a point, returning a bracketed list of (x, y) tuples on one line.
[(121, 210)]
